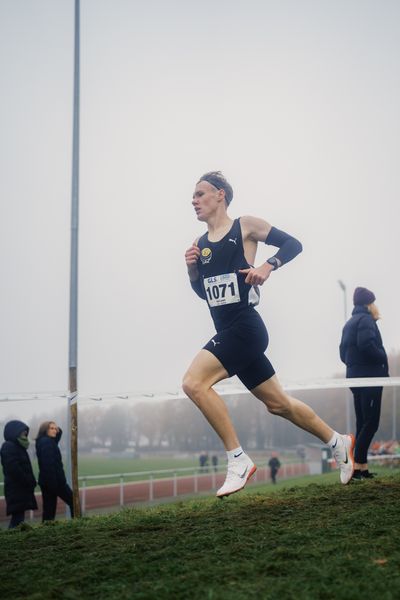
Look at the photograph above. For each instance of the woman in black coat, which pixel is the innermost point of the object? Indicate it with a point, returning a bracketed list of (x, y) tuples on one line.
[(52, 478), (362, 351), (19, 480)]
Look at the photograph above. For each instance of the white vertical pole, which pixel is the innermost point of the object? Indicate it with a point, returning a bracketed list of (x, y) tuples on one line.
[(348, 393), (348, 410)]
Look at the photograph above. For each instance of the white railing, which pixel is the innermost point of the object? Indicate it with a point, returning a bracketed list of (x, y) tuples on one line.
[(150, 477), (225, 388)]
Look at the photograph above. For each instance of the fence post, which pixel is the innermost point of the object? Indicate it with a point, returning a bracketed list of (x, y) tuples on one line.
[(175, 486), (121, 490), (151, 491), (196, 482), (213, 479)]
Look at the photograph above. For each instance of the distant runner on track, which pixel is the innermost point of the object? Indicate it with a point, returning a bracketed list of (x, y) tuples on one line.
[(220, 267)]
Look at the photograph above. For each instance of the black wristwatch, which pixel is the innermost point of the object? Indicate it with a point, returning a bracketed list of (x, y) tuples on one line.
[(274, 262)]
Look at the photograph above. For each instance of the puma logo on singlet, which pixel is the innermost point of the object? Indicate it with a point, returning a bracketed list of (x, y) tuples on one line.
[(231, 240), (215, 343)]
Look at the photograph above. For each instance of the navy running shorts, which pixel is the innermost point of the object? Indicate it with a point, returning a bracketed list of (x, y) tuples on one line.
[(240, 349)]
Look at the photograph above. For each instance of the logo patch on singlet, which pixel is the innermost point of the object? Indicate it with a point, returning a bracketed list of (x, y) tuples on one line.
[(206, 256)]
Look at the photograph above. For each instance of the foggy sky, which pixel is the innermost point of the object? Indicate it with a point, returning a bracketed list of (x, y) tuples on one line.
[(295, 101)]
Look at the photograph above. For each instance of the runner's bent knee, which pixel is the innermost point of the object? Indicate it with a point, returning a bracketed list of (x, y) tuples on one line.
[(193, 386), (277, 404), (274, 397), (275, 408)]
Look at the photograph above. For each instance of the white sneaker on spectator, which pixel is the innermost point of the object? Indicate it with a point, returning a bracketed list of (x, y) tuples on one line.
[(344, 457), (239, 472)]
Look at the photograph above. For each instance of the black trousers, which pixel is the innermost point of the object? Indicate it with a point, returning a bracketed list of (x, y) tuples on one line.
[(49, 499), (367, 406), (274, 471), (16, 519)]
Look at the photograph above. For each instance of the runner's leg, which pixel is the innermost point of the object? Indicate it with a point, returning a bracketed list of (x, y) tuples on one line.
[(279, 403), (203, 373), (271, 393)]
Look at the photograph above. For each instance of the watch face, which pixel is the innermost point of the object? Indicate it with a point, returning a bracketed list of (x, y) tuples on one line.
[(273, 262)]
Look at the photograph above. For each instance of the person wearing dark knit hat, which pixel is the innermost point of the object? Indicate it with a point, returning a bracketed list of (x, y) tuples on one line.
[(363, 297), (362, 351)]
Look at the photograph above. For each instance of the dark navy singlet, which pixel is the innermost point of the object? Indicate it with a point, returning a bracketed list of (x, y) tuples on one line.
[(241, 338), (225, 290)]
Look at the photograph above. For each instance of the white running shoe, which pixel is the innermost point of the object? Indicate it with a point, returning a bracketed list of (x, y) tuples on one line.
[(239, 472), (343, 454)]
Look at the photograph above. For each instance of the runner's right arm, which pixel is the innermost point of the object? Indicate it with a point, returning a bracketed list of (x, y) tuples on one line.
[(192, 255)]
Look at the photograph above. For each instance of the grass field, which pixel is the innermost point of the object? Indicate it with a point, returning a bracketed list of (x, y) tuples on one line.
[(96, 465), (319, 541)]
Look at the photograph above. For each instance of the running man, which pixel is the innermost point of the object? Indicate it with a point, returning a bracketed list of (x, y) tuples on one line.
[(220, 270)]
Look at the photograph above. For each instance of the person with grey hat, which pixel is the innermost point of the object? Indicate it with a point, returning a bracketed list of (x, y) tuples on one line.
[(362, 351)]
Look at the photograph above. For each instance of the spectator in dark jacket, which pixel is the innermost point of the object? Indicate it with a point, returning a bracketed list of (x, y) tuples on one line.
[(52, 478), (274, 466), (19, 480), (362, 351)]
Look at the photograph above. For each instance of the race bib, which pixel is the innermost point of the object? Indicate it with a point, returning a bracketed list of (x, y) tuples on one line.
[(222, 289)]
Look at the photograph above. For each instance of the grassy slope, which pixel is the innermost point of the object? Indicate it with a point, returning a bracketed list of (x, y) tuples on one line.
[(302, 543)]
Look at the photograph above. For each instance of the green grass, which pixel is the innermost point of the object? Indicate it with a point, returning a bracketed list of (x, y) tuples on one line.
[(95, 465), (319, 541), (305, 480)]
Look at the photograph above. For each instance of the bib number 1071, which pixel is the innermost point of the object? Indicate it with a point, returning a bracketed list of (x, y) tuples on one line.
[(222, 289)]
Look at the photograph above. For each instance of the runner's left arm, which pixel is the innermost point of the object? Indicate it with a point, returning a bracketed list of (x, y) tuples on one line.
[(260, 231), (288, 246)]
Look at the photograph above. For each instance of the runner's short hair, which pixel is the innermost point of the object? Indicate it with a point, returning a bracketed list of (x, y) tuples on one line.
[(218, 181)]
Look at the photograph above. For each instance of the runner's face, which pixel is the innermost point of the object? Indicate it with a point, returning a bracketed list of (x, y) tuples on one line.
[(206, 199)]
